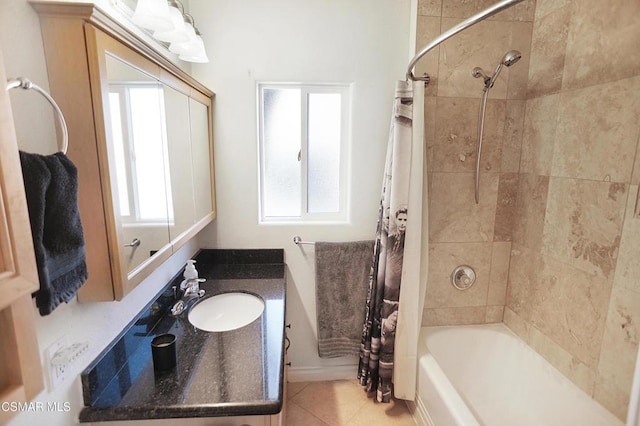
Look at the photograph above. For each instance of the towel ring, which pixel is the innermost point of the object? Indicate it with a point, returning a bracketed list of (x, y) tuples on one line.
[(26, 84)]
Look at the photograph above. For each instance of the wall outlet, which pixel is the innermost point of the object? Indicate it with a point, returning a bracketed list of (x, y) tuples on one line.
[(60, 358)]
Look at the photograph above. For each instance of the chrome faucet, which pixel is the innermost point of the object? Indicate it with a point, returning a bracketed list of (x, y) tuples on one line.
[(191, 293)]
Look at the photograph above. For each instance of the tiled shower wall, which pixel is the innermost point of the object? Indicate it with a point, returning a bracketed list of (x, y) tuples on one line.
[(461, 231), (574, 279), (558, 187)]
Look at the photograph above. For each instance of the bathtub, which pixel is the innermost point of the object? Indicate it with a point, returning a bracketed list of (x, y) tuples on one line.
[(486, 375)]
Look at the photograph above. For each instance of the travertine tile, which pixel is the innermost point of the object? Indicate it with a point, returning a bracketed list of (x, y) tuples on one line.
[(570, 307), (455, 316), (429, 7), (494, 314), (453, 214), (297, 415), (583, 224), (516, 324), (524, 275), (603, 43), (456, 130), (464, 9), (428, 29), (394, 413), (524, 11), (518, 73), (531, 207), (548, 47), (619, 349), (443, 259), (540, 122), (544, 7), (506, 206), (481, 45), (342, 403), (293, 388), (602, 148), (512, 136), (500, 256), (335, 403), (574, 369), (628, 262)]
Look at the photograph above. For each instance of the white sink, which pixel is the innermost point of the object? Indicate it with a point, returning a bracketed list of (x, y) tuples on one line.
[(226, 311)]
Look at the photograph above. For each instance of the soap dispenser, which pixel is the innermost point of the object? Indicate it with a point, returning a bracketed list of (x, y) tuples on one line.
[(191, 282), (190, 272)]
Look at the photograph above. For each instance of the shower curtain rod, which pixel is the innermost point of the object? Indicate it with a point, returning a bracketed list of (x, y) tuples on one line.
[(490, 11)]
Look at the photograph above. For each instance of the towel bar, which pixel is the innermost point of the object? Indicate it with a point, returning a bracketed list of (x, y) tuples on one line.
[(299, 241), (26, 84)]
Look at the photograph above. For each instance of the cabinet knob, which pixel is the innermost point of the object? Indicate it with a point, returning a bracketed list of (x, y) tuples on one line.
[(134, 243)]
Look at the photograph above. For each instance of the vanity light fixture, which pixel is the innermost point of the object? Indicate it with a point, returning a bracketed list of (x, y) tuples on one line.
[(171, 24), (192, 50), (153, 15), (179, 33)]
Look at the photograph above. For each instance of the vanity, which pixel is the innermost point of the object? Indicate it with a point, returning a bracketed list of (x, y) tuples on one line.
[(236, 374)]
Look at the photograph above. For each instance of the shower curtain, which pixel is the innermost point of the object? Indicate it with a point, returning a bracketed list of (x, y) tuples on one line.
[(388, 353)]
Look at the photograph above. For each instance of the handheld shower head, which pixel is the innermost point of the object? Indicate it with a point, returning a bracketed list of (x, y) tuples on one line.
[(511, 57)]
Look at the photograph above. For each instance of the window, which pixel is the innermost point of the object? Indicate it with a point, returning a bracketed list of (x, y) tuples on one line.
[(140, 152), (303, 131)]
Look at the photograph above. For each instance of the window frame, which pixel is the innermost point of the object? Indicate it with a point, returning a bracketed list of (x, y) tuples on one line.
[(123, 89), (345, 91)]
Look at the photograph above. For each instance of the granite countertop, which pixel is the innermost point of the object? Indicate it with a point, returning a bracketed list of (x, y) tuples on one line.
[(237, 372)]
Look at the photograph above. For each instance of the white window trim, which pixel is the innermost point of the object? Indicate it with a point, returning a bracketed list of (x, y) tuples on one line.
[(343, 214)]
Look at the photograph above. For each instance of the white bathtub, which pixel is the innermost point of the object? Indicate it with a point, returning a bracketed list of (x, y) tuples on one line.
[(486, 375)]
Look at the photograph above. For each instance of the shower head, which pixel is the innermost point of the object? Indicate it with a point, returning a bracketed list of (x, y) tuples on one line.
[(511, 57)]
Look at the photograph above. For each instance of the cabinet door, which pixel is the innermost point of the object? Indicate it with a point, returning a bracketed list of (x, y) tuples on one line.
[(137, 151), (201, 158), (20, 372), (183, 215), (18, 274)]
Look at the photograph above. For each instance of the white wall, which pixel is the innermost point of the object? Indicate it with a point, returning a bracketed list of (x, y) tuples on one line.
[(97, 323), (359, 41)]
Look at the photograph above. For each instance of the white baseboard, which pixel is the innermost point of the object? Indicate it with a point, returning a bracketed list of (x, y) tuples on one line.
[(320, 374)]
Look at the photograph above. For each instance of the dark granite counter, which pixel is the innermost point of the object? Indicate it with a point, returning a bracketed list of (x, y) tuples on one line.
[(237, 372)]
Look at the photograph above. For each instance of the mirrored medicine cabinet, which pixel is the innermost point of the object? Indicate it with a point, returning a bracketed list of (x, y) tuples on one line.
[(140, 133)]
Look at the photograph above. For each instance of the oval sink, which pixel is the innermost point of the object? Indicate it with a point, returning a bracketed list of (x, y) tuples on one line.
[(226, 311)]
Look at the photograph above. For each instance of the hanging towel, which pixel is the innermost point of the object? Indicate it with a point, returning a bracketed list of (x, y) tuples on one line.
[(51, 187), (342, 281)]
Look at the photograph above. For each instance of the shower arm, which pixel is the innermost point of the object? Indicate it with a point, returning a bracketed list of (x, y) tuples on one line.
[(480, 16)]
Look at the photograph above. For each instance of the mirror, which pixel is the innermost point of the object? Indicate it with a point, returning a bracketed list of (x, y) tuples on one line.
[(159, 161), (138, 158)]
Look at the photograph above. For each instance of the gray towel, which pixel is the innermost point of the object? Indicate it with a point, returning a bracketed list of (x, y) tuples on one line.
[(342, 283), (51, 187)]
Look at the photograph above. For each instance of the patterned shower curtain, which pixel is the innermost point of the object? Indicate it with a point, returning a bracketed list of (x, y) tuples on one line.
[(375, 370)]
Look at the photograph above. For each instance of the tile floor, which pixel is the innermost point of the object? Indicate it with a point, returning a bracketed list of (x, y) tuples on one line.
[(341, 403)]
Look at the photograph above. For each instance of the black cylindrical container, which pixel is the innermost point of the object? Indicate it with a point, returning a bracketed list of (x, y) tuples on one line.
[(163, 351)]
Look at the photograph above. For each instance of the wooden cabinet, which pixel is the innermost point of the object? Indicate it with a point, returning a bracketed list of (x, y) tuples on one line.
[(20, 372), (140, 132)]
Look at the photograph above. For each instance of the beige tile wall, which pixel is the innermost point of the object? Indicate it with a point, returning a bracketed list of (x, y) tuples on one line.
[(573, 287), (554, 239), (461, 232)]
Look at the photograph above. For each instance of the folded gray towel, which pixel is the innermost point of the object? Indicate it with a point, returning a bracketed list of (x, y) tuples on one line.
[(51, 187), (342, 283)]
